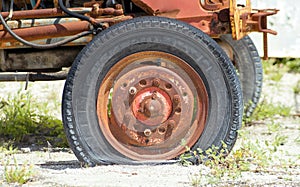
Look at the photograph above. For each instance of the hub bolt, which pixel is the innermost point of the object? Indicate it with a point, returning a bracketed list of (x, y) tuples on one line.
[(147, 132), (176, 99), (132, 90)]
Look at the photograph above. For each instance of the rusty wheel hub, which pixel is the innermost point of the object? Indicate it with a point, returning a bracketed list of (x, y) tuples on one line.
[(154, 106), (151, 106)]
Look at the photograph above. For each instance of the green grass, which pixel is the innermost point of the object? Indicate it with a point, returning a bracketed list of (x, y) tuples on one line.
[(8, 150), (296, 88), (17, 173), (22, 117), (273, 71), (266, 110), (293, 64)]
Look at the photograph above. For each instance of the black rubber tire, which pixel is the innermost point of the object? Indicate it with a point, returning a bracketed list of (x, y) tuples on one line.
[(248, 63), (148, 33)]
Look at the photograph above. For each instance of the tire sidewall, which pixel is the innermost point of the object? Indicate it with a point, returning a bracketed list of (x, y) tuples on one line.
[(250, 70)]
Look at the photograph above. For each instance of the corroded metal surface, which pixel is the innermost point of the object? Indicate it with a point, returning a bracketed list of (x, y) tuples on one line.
[(39, 13), (191, 12), (48, 31), (245, 20), (25, 23), (215, 4), (30, 60), (98, 11), (39, 30), (157, 100), (214, 17)]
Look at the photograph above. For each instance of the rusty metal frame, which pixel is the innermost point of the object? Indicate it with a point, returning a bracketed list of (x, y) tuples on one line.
[(202, 15), (214, 17), (211, 16), (244, 20), (34, 25)]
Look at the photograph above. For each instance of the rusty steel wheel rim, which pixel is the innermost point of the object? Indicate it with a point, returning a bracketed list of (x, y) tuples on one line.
[(151, 105)]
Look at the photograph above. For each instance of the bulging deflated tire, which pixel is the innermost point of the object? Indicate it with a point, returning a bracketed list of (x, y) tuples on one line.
[(144, 89)]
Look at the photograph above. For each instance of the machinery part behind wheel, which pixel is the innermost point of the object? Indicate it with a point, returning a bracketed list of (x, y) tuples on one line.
[(145, 89), (246, 59)]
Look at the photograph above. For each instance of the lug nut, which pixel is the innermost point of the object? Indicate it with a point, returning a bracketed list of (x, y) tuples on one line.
[(176, 99), (147, 132), (132, 91)]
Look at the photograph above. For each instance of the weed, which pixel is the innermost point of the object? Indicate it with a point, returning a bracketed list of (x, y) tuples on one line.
[(219, 165), (279, 140), (273, 127), (21, 116), (8, 150), (296, 88), (297, 140), (265, 110), (273, 70), (292, 64), (195, 180), (16, 173), (250, 156)]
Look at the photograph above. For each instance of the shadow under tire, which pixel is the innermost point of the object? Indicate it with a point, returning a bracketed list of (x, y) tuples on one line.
[(144, 89)]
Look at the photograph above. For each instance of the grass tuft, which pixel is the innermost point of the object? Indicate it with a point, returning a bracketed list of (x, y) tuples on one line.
[(22, 118), (265, 110), (16, 173)]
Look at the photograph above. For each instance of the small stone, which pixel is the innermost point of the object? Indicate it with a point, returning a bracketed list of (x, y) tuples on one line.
[(26, 150)]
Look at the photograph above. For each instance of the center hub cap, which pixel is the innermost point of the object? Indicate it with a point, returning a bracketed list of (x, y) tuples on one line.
[(152, 106)]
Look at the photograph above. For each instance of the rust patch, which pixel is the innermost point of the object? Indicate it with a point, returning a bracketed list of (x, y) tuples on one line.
[(151, 106), (49, 31)]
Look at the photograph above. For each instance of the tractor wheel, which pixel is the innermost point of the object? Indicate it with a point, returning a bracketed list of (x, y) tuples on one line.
[(145, 89), (246, 59)]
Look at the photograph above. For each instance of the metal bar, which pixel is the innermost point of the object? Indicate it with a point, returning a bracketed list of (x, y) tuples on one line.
[(49, 31), (14, 77), (16, 45), (17, 24), (43, 13), (12, 43), (265, 43), (56, 12)]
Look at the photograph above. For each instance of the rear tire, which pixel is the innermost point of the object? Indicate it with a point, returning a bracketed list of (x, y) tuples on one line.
[(144, 89), (247, 61)]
